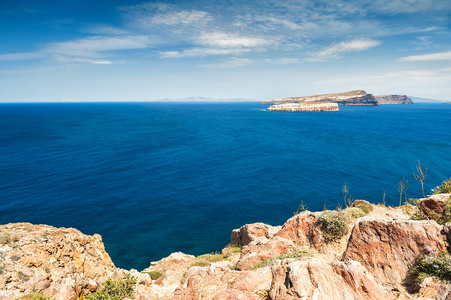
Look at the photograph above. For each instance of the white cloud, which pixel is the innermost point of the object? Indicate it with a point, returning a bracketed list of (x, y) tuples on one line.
[(181, 17), (91, 46), (105, 29), (227, 40), (428, 57), (199, 52), (234, 62), (283, 61), (356, 45), (20, 56)]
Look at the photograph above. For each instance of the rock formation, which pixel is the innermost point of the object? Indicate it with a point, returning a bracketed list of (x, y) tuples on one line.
[(394, 99), (293, 261), (359, 97), (306, 106)]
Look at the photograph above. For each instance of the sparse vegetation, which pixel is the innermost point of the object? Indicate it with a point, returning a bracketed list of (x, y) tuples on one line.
[(298, 253), (363, 205), (154, 275), (437, 266), (15, 257), (115, 289), (334, 225), (440, 218), (5, 239), (420, 176), (37, 296), (356, 212), (444, 188), (206, 259), (230, 250), (402, 188), (301, 208)]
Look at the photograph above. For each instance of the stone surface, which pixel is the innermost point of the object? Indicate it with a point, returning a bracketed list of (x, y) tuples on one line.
[(312, 278), (52, 261), (434, 202), (301, 229), (316, 106), (388, 248), (250, 232), (261, 249), (393, 99)]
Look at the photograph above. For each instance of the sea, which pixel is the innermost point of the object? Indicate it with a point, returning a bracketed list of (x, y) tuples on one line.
[(154, 178)]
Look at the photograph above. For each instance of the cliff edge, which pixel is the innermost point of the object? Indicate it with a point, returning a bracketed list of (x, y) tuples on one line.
[(365, 251)]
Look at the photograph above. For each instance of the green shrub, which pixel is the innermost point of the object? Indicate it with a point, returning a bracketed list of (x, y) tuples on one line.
[(154, 275), (334, 225), (299, 252), (230, 250), (22, 276), (356, 212), (206, 259), (437, 266), (37, 296), (363, 205), (5, 239), (444, 188), (115, 289), (14, 257)]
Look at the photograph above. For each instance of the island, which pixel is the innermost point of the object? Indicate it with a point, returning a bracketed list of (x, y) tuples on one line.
[(394, 99), (307, 106)]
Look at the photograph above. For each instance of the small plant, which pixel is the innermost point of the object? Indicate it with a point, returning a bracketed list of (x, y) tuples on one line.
[(356, 212), (438, 266), (363, 205), (420, 176), (345, 192), (22, 276), (298, 253), (47, 270), (334, 225), (402, 188), (444, 188), (301, 208), (2, 269), (115, 289), (206, 259), (384, 198), (5, 239), (264, 294), (154, 275), (15, 257), (37, 296), (230, 250)]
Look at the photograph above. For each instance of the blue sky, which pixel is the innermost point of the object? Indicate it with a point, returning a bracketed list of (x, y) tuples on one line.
[(118, 50)]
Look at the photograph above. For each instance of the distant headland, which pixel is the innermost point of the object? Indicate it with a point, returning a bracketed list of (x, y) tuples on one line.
[(330, 102)]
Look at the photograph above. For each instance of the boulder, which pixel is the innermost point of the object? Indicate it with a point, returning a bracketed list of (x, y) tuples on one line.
[(220, 283), (250, 232), (261, 249), (301, 229), (434, 202), (388, 248), (313, 278)]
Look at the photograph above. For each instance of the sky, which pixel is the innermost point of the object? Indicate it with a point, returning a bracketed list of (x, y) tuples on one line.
[(124, 50)]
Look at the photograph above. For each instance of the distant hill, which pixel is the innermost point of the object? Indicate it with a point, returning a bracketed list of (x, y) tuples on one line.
[(425, 100), (358, 97), (202, 99), (394, 99)]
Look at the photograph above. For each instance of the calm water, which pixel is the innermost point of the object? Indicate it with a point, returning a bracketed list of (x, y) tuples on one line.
[(154, 178)]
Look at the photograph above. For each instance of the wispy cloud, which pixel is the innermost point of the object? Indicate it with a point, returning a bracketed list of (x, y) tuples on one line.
[(20, 56), (428, 57), (200, 52), (227, 40), (356, 45), (92, 46), (234, 62), (104, 29)]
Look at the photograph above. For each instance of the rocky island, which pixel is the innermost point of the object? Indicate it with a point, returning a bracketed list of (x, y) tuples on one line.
[(307, 106), (365, 251), (394, 99)]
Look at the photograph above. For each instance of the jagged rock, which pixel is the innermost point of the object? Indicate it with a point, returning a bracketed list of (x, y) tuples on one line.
[(219, 282), (52, 261), (434, 202), (431, 289), (261, 249), (312, 278), (394, 99), (177, 261), (301, 229), (388, 248), (248, 233)]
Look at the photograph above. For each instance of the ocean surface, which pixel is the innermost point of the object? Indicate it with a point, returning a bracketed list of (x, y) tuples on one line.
[(155, 178)]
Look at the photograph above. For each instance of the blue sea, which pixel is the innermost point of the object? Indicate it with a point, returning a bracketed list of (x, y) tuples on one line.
[(155, 178)]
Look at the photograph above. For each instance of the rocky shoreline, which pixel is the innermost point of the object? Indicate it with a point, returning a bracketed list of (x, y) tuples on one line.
[(305, 258), (304, 107)]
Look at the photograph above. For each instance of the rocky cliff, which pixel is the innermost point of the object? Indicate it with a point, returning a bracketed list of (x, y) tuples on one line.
[(358, 97), (361, 252), (394, 99), (306, 106)]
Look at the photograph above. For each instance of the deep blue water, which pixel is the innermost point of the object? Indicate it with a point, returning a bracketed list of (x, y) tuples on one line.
[(154, 178)]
